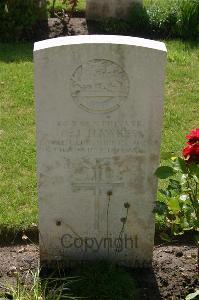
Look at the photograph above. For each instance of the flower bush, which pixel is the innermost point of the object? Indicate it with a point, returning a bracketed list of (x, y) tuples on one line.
[(179, 206), (191, 152)]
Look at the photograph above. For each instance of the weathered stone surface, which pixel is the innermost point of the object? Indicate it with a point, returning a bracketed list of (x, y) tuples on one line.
[(119, 9), (99, 103)]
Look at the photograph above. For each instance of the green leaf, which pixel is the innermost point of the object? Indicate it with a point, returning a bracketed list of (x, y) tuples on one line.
[(196, 178), (180, 165), (174, 185), (178, 231), (192, 295), (164, 172), (183, 180), (166, 193), (166, 155), (185, 224), (174, 205), (194, 169), (160, 208), (165, 237)]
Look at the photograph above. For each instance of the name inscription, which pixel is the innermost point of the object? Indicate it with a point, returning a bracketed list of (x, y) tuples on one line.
[(98, 137)]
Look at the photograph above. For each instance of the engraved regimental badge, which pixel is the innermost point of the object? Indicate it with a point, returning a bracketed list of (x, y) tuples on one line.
[(99, 86)]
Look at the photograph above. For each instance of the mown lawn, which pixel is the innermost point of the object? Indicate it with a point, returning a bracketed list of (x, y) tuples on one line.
[(59, 4), (82, 3), (18, 195)]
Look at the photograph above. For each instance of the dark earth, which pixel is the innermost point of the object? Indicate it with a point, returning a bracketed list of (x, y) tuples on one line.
[(80, 26), (174, 272)]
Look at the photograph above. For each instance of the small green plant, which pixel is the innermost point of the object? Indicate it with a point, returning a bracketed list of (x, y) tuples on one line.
[(70, 7), (172, 18), (162, 17), (180, 204), (33, 288), (64, 14)]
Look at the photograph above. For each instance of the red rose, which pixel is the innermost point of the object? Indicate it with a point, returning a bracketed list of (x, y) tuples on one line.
[(191, 153), (193, 137)]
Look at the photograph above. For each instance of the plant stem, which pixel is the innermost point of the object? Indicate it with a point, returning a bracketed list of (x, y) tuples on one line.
[(193, 198), (122, 231), (120, 236), (107, 220), (53, 8), (198, 257), (196, 190)]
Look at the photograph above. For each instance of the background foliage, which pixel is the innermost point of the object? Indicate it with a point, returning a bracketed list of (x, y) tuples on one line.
[(18, 19), (173, 18), (155, 19)]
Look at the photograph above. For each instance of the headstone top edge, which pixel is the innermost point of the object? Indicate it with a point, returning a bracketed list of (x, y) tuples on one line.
[(100, 39)]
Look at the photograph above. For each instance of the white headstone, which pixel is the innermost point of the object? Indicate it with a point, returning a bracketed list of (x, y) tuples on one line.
[(99, 104), (102, 9)]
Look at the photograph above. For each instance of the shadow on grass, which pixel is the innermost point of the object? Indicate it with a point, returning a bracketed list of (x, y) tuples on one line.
[(11, 237), (190, 45), (16, 52), (104, 281), (138, 25), (146, 284), (120, 27)]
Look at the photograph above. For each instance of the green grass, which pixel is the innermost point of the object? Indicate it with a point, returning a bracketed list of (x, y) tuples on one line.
[(82, 3), (58, 4), (102, 281), (18, 196), (99, 281), (18, 208), (182, 90), (31, 287)]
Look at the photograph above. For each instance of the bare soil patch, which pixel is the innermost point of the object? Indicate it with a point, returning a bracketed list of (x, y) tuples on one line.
[(54, 27), (173, 274)]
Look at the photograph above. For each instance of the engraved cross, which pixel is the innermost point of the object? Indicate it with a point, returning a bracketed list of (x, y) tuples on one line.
[(96, 185)]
